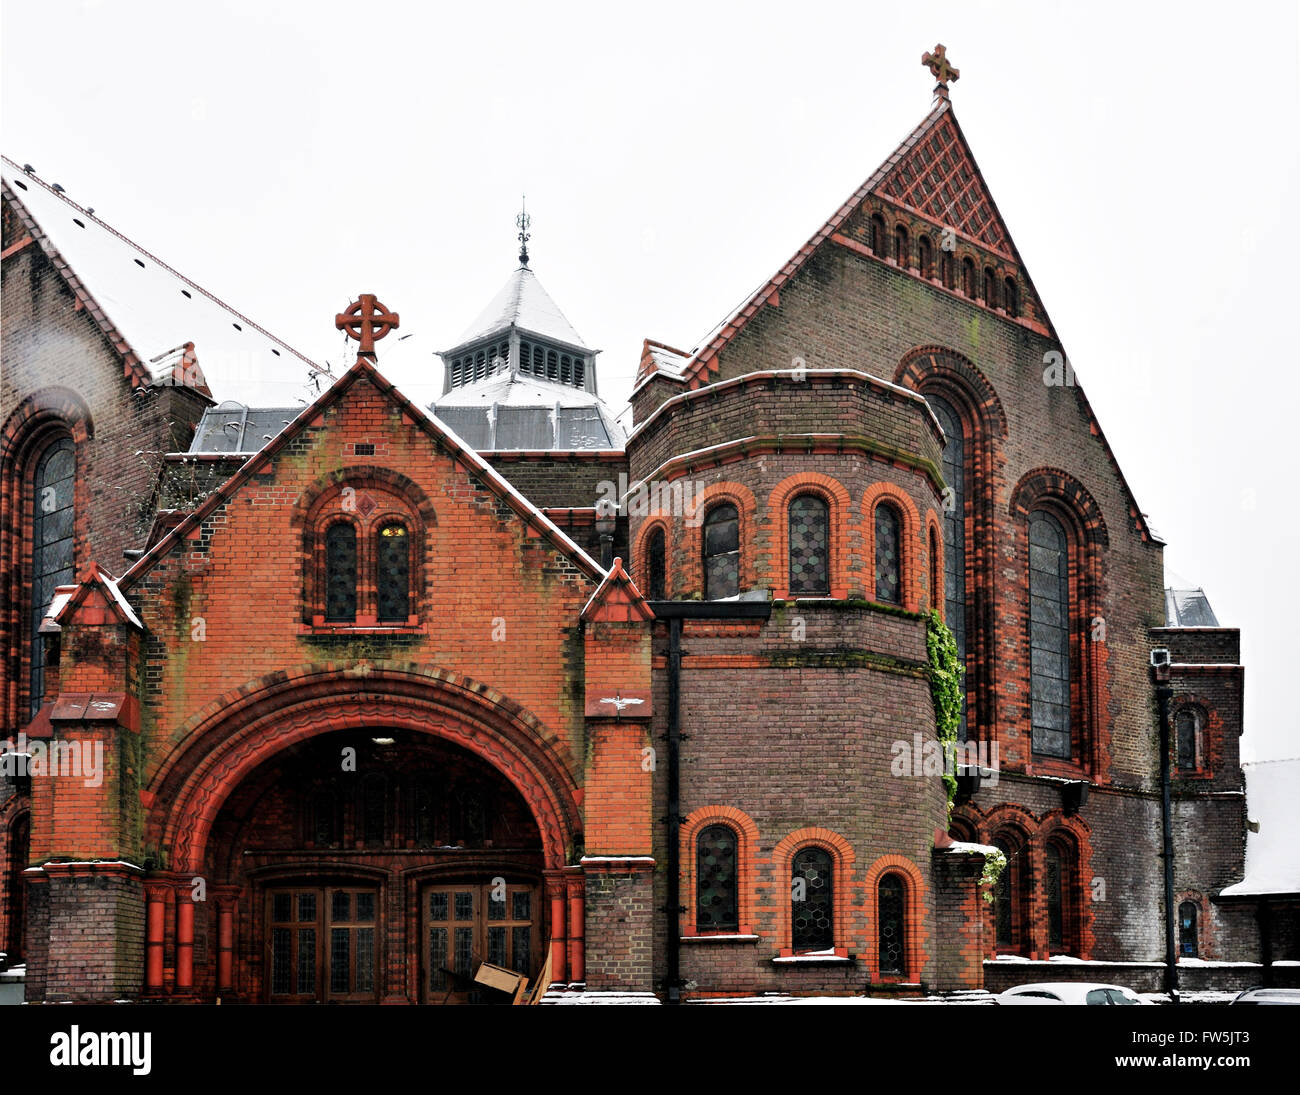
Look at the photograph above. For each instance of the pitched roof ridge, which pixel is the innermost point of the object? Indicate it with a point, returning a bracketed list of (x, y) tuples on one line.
[(62, 196), (720, 335), (617, 580)]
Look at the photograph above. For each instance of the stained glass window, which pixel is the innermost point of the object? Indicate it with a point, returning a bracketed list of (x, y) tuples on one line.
[(1187, 929), (655, 565), (1055, 898), (341, 573), (809, 545), (887, 548), (1049, 636), (954, 532), (889, 913), (52, 532), (1185, 731), (721, 553), (811, 908), (394, 562), (715, 880)]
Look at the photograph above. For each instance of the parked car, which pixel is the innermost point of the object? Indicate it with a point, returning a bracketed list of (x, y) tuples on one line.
[(1068, 992), (1267, 996)]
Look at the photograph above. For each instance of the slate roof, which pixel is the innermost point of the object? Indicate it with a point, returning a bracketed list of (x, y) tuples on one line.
[(1189, 608), (522, 303), (525, 412), (149, 310)]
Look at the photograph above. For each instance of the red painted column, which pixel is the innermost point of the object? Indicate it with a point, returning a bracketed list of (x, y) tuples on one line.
[(155, 929), (559, 921), (184, 942), (225, 945), (576, 884)]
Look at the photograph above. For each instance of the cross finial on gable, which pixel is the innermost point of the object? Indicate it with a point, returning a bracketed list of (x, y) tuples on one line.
[(937, 63), (367, 321)]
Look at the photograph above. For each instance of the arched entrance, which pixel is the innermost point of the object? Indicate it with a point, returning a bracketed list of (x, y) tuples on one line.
[(360, 846)]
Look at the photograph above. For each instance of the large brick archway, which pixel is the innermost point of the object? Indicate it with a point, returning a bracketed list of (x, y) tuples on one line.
[(231, 737)]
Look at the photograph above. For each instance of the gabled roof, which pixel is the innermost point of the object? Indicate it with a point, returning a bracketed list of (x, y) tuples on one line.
[(148, 311), (97, 586), (932, 174), (437, 430), (522, 303), (617, 600)]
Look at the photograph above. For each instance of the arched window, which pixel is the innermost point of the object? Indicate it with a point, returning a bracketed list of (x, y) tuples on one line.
[(811, 907), (1188, 724), (968, 277), (990, 287), (341, 572), (1187, 946), (18, 847), (1010, 915), (888, 571), (656, 572), (900, 247), (954, 530), (1049, 635), (936, 578), (809, 545), (393, 572), (721, 553), (52, 546), (889, 916), (925, 256), (879, 238), (1059, 861), (716, 898), (1011, 297), (946, 270)]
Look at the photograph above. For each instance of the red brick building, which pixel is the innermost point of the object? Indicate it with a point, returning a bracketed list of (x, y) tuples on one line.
[(336, 697)]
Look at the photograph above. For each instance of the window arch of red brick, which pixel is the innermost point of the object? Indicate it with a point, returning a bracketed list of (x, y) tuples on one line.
[(941, 371), (838, 507), (641, 561), (1209, 749), (914, 933), (398, 500), (692, 539), (1070, 832), (842, 857), (1205, 941), (38, 421), (12, 812), (746, 832), (224, 742), (911, 554), (934, 557), (1013, 826), (1058, 493)]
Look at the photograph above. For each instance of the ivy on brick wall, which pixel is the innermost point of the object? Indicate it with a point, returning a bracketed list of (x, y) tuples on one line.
[(946, 672)]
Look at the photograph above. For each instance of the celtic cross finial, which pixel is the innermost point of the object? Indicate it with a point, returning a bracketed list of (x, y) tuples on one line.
[(367, 321), (937, 63)]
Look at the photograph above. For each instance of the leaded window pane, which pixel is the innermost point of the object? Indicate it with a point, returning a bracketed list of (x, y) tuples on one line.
[(365, 959), (1187, 929), (811, 911), (497, 946), (1055, 911), (52, 536), (306, 908), (715, 879), (281, 961), (438, 956), (365, 907), (394, 555), (887, 549), (340, 959), (464, 957), (890, 915), (954, 532), (306, 960), (522, 905), (341, 573), (341, 906), (656, 565), (721, 553), (809, 545), (464, 905), (437, 906), (282, 907), (1185, 731), (1049, 636), (496, 908), (521, 942)]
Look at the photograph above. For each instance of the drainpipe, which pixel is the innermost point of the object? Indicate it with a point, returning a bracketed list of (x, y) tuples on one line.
[(674, 612)]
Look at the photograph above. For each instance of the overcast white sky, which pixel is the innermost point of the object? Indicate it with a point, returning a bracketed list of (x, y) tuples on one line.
[(289, 156)]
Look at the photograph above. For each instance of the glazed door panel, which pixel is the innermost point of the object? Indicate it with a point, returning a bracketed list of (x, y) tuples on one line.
[(465, 925)]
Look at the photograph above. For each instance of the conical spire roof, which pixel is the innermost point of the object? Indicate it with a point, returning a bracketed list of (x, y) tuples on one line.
[(522, 303)]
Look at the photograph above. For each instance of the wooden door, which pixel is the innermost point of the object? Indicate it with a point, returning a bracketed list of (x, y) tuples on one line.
[(471, 923)]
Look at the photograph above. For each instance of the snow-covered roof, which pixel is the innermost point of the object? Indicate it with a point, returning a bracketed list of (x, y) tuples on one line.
[(1272, 865), (524, 412), (234, 428), (524, 304), (157, 310), (1188, 608)]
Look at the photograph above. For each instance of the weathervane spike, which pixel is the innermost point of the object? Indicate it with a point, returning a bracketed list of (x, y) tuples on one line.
[(522, 222)]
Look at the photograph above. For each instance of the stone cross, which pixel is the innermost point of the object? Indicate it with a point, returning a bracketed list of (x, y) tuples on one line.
[(367, 321), (937, 63)]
